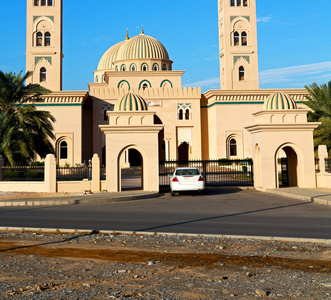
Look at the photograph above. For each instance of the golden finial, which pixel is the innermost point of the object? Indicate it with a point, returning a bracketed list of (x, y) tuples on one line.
[(127, 34), (142, 29)]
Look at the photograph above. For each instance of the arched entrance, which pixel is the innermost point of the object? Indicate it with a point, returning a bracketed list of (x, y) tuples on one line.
[(131, 178), (162, 156), (183, 149), (287, 167)]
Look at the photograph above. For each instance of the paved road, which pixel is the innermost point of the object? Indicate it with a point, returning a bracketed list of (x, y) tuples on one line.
[(219, 212)]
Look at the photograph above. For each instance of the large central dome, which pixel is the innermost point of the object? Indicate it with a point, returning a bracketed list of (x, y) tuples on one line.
[(142, 46), (139, 47)]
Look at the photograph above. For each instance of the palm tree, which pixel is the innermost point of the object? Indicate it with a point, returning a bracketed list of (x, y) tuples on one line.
[(25, 132), (319, 101)]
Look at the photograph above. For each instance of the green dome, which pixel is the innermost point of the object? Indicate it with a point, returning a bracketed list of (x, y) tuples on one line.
[(130, 102), (142, 46), (279, 101)]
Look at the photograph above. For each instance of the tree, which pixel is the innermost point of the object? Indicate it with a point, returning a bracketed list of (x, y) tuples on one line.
[(319, 101), (25, 132)]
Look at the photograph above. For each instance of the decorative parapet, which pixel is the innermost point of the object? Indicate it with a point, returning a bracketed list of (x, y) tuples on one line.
[(69, 97), (213, 97), (104, 92)]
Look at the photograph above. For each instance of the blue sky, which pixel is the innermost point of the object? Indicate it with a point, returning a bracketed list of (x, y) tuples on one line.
[(293, 38)]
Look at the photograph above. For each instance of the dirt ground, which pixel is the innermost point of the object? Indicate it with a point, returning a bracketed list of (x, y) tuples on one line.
[(114, 266)]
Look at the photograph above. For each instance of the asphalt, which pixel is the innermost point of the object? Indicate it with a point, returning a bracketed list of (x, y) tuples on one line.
[(319, 196)]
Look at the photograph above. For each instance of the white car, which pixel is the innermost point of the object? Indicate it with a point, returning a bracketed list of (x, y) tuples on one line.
[(186, 179)]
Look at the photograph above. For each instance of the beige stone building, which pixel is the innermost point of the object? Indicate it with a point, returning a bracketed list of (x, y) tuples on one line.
[(192, 126)]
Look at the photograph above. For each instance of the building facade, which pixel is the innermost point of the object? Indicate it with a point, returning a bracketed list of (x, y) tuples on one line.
[(195, 126)]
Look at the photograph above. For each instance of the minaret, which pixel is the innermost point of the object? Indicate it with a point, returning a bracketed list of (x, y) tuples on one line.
[(44, 43), (238, 44)]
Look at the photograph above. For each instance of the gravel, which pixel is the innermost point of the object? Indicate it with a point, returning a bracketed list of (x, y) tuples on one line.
[(36, 265)]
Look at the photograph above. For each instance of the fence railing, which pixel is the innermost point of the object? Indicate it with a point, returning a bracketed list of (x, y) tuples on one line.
[(73, 173), (328, 165), (221, 172), (23, 173)]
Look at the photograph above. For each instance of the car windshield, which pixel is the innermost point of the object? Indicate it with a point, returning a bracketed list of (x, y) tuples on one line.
[(187, 172)]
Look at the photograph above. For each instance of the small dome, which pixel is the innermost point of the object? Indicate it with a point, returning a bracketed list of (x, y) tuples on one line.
[(106, 61), (279, 101), (142, 46), (130, 102)]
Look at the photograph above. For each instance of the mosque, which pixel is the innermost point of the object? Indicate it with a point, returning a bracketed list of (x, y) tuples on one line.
[(137, 103)]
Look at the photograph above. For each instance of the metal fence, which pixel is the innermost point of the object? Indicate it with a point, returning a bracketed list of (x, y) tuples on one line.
[(222, 172), (328, 165), (73, 173), (23, 173)]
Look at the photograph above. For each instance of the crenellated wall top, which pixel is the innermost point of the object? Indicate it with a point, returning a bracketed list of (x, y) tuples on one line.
[(104, 92)]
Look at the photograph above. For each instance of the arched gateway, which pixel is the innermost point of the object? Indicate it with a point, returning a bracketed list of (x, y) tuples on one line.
[(131, 126), (282, 127)]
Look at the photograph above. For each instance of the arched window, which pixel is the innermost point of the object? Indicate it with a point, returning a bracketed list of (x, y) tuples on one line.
[(145, 86), (47, 39), (241, 73), (170, 68), (238, 2), (116, 68), (243, 38), (233, 147), (133, 68), (63, 150), (164, 67), (103, 78), (42, 75), (236, 39), (180, 114), (39, 41), (155, 67), (97, 78), (187, 114), (123, 68), (144, 67), (43, 2)]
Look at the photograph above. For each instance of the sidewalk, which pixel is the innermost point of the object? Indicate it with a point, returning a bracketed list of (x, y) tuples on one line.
[(80, 199), (318, 195)]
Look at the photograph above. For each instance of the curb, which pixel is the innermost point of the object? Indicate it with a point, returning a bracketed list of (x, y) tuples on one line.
[(301, 197), (109, 199), (114, 232)]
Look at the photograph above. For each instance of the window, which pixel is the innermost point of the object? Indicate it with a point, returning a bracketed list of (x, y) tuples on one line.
[(39, 39), (47, 39), (180, 114), (133, 68), (164, 67), (144, 67), (116, 68), (43, 75), (187, 114), (155, 67), (236, 39), (43, 2), (245, 2), (105, 117), (241, 73), (123, 68), (63, 150), (145, 86), (244, 39), (233, 3), (97, 78), (233, 147), (238, 2)]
